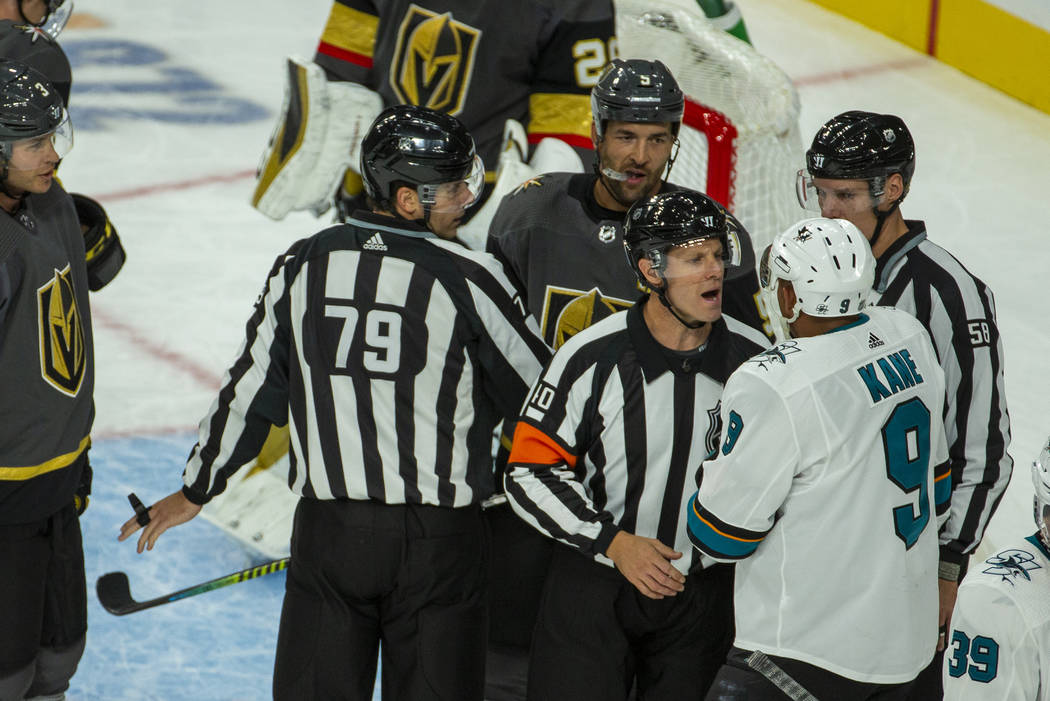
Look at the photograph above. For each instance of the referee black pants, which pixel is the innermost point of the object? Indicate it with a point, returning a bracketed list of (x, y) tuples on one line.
[(411, 577), (597, 634)]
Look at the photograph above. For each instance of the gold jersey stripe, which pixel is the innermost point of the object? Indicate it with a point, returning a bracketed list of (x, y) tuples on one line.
[(555, 113), (20, 474), (351, 30)]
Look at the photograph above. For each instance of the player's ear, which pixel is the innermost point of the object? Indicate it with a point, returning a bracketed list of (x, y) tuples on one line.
[(786, 297), (649, 273), (594, 134), (406, 200), (894, 187)]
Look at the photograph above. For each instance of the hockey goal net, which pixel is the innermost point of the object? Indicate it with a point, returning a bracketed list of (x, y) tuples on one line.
[(740, 140)]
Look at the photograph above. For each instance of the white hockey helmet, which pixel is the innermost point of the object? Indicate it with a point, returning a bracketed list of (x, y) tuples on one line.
[(829, 264), (1041, 500)]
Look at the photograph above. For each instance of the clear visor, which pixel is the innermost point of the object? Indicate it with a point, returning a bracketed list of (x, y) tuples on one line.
[(840, 199), (768, 294), (1041, 514), (50, 15), (697, 257), (40, 152), (455, 196)]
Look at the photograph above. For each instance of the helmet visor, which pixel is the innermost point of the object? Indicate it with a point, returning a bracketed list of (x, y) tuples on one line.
[(839, 199), (698, 257), (36, 152), (49, 15), (457, 195)]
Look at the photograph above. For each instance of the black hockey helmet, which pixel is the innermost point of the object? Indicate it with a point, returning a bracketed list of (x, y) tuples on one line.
[(636, 90), (668, 219), (29, 105), (24, 43), (420, 147), (860, 145)]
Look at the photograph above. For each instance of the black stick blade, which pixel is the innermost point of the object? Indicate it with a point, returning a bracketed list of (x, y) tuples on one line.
[(114, 593)]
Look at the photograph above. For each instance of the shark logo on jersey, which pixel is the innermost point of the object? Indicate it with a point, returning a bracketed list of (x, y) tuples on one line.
[(63, 354), (776, 354), (566, 312), (607, 233), (433, 60), (1011, 565)]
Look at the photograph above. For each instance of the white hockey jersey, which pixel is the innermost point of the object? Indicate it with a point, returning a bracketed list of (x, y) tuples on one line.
[(829, 488), (999, 644)]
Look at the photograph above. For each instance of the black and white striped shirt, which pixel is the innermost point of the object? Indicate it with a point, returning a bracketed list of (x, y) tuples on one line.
[(615, 429), (958, 312), (391, 353)]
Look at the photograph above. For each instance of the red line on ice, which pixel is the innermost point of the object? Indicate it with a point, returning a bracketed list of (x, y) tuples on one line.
[(203, 376), (173, 186), (847, 74)]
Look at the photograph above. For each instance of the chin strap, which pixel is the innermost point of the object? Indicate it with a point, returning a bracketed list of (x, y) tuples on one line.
[(661, 292)]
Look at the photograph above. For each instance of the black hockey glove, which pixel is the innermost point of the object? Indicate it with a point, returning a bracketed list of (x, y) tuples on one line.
[(105, 255)]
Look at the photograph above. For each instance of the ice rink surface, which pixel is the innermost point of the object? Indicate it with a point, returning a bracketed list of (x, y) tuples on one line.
[(172, 107)]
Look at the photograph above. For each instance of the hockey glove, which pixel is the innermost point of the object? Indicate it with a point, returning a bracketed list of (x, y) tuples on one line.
[(104, 252)]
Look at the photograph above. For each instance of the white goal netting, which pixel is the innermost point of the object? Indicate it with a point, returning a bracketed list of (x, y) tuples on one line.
[(740, 137)]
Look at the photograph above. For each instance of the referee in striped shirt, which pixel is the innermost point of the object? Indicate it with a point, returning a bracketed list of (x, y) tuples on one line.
[(392, 354), (604, 457), (860, 168)]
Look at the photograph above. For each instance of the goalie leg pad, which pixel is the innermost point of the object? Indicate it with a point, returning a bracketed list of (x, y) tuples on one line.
[(103, 250), (317, 137)]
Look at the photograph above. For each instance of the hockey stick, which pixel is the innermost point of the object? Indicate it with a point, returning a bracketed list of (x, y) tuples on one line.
[(114, 593), (778, 677)]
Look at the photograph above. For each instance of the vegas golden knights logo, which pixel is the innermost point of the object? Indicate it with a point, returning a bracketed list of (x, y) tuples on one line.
[(63, 356), (433, 60), (567, 312)]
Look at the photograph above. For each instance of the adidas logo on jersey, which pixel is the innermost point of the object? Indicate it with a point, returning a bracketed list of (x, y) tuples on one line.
[(874, 341), (374, 244)]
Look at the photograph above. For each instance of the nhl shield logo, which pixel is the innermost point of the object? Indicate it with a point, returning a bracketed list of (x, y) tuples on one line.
[(433, 60), (63, 357), (607, 233)]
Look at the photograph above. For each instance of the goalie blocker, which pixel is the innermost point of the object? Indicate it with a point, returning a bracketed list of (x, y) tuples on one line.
[(317, 137)]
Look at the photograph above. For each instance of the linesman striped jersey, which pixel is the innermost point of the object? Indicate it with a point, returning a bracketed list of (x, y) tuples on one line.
[(958, 312), (391, 353), (615, 429), (828, 489), (534, 61)]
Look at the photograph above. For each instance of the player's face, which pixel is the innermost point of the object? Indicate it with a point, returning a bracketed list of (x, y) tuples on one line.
[(32, 165), (33, 10), (693, 276), (450, 203), (639, 151), (847, 199)]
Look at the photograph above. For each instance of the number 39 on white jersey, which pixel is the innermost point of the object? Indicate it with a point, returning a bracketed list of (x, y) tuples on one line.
[(999, 643)]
